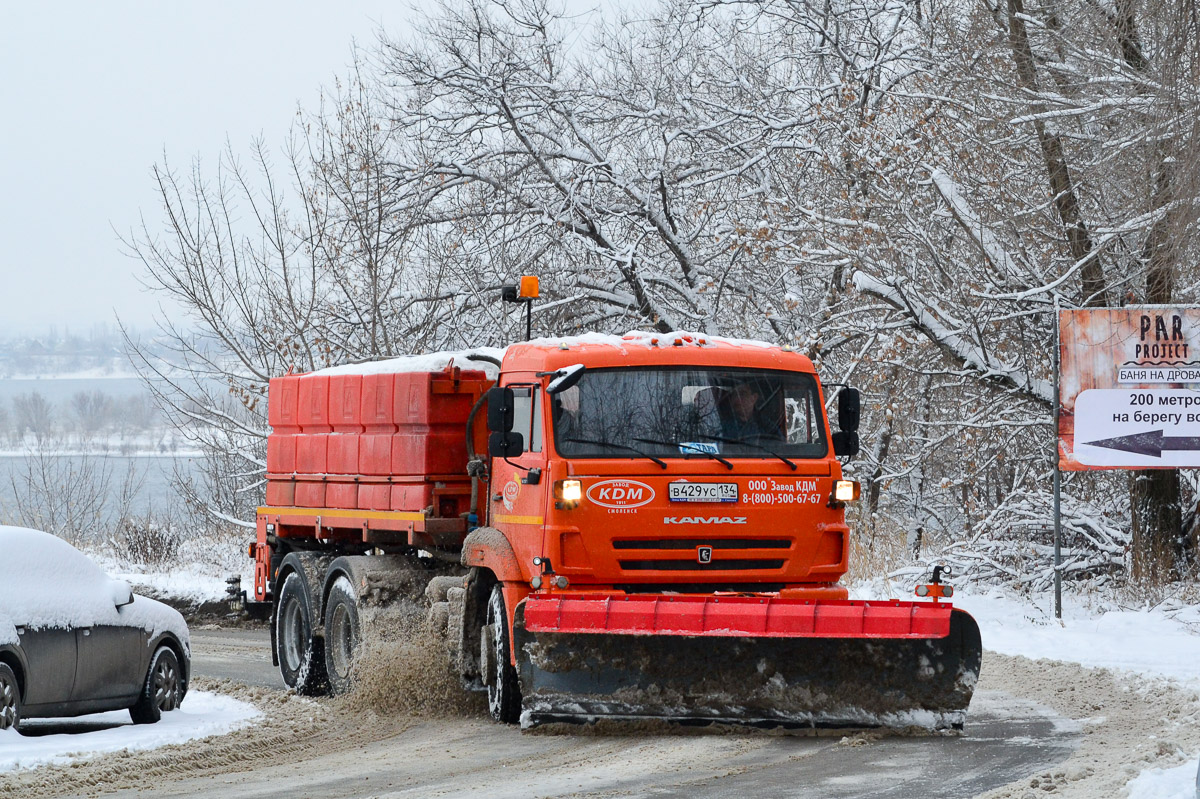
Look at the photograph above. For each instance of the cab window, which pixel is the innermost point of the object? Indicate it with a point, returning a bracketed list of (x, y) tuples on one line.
[(525, 417)]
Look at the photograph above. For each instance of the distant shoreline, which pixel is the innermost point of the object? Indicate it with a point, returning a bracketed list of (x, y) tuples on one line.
[(86, 374), (107, 453)]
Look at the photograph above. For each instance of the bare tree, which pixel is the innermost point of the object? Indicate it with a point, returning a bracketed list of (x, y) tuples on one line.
[(92, 411), (63, 494), (34, 415), (903, 190)]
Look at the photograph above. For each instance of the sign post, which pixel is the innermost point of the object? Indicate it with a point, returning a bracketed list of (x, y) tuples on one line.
[(1128, 393), (1057, 474)]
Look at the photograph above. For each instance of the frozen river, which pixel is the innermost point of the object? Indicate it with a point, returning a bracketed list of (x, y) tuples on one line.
[(150, 474)]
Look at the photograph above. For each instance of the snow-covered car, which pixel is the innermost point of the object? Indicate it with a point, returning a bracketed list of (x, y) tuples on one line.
[(75, 641)]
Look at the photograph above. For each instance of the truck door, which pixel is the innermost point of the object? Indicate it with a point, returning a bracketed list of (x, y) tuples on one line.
[(519, 483)]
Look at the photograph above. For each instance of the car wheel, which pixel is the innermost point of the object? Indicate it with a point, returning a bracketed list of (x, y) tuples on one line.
[(163, 690), (504, 694), (10, 698), (300, 654), (341, 635)]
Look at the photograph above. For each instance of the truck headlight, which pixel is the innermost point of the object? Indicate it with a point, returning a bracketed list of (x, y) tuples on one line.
[(567, 493), (846, 491)]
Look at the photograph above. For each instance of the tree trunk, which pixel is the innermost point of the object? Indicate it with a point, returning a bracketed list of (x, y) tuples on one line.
[(1062, 187), (1160, 548)]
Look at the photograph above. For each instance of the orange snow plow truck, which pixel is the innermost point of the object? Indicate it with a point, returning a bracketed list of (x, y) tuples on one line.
[(598, 527)]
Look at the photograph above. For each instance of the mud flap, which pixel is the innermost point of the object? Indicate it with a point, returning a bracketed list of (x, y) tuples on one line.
[(759, 681)]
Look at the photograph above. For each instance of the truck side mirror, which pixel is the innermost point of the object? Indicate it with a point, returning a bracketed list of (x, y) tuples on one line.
[(500, 411), (845, 444), (845, 441), (849, 403), (505, 444), (565, 378)]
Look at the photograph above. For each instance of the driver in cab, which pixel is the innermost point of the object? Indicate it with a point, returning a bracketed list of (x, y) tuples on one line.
[(744, 417)]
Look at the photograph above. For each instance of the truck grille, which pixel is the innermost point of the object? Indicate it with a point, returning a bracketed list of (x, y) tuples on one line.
[(696, 566), (692, 543), (700, 588)]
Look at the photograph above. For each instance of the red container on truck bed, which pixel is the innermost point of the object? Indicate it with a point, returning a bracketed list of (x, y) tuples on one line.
[(345, 416), (381, 441), (282, 414)]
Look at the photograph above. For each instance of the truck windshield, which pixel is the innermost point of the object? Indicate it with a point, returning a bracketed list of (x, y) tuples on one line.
[(667, 412)]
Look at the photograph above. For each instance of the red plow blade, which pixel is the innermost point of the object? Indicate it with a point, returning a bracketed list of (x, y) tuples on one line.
[(763, 661), (736, 616)]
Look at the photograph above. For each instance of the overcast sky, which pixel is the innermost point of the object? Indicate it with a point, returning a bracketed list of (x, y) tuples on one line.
[(93, 93)]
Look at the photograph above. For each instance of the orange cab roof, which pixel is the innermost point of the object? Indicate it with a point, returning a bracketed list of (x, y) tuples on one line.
[(640, 348)]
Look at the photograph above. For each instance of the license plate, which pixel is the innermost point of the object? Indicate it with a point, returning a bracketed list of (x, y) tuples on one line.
[(702, 492)]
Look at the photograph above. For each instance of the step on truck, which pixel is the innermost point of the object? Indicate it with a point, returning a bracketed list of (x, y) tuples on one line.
[(647, 526)]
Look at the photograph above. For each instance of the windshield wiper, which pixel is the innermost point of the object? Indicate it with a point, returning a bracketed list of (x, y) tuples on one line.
[(613, 445), (691, 447), (767, 450)]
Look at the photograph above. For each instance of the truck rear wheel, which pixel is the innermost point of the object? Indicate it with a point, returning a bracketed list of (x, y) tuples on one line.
[(301, 656), (504, 693), (342, 635)]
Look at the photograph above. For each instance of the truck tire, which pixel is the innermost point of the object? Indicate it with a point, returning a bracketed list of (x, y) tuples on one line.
[(342, 635), (301, 656), (162, 691), (10, 698), (503, 691)]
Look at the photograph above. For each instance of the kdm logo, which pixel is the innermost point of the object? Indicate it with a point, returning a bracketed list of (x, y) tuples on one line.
[(704, 520), (620, 494)]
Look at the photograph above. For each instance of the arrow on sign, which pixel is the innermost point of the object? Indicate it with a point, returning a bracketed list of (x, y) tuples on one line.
[(1151, 443)]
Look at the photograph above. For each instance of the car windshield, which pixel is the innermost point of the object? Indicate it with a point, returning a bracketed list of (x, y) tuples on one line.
[(690, 412)]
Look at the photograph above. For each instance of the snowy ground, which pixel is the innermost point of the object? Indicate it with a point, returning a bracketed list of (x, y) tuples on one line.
[(191, 582), (202, 714), (196, 576), (1162, 641), (1159, 642)]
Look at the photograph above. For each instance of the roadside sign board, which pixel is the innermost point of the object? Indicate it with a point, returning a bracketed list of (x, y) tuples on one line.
[(1129, 388)]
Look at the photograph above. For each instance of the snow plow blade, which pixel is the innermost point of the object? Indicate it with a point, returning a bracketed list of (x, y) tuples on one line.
[(764, 662)]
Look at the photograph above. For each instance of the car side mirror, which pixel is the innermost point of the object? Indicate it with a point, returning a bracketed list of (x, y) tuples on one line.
[(121, 593), (500, 404), (505, 444)]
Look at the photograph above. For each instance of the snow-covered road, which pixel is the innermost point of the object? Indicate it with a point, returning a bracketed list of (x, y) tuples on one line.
[(1104, 703)]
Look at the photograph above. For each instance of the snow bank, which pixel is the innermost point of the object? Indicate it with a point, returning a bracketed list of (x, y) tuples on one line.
[(46, 582), (1165, 783), (187, 584), (1158, 642), (202, 714)]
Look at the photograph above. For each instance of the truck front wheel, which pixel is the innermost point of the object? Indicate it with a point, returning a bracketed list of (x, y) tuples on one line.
[(342, 635), (504, 693), (301, 656)]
